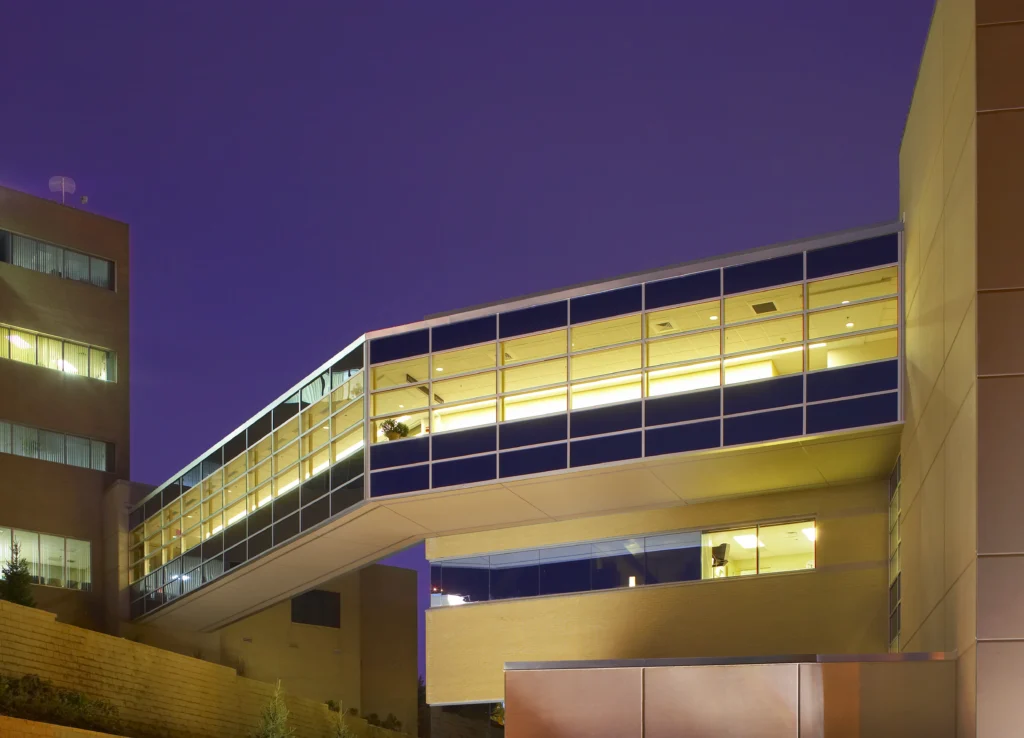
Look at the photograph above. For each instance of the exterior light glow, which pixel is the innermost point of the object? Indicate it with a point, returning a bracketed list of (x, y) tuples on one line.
[(811, 533)]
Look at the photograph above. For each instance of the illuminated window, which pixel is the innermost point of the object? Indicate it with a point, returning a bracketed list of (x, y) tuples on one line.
[(836, 352), (22, 346), (190, 519), (286, 433), (260, 474), (216, 502), (540, 346), (853, 287), (460, 361), (606, 333), (416, 423), (286, 457), (79, 561), (686, 378), (171, 512), (532, 404), (764, 334), (394, 401), (350, 389), (606, 391), (316, 438), (57, 261), (764, 365), (684, 319), (258, 498), (465, 415), (260, 452), (191, 539), (316, 414), (234, 468), (765, 304), (609, 361), (690, 347), (464, 388), (765, 549), (534, 375), (853, 318), (409, 371), (318, 462), (346, 418), (347, 444), (234, 513), (213, 526)]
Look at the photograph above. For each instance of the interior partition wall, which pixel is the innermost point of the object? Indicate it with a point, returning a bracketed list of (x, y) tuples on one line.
[(778, 343)]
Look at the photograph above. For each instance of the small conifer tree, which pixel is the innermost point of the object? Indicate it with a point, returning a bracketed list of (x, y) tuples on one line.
[(274, 719), (16, 583)]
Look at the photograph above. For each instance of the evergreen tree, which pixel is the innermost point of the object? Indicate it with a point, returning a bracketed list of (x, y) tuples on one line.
[(274, 719), (15, 585)]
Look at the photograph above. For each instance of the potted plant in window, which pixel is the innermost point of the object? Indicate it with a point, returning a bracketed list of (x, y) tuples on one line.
[(394, 429)]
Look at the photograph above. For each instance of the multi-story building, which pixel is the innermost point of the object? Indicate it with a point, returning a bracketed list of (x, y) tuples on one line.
[(64, 381)]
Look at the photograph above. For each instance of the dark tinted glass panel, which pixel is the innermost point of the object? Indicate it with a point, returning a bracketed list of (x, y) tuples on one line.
[(172, 570), (396, 481), (531, 320), (350, 363), (347, 469), (606, 419), (347, 496), (260, 518), (260, 428), (213, 546), (854, 413), (608, 448), (515, 581), (316, 513), (235, 534), (435, 578), (316, 487), (529, 432), (172, 590), (401, 346), (674, 565), (191, 580), (317, 607), (136, 517), (561, 577), (135, 590), (235, 446), (154, 601), (464, 471), (606, 304), (466, 442), (260, 542), (285, 529), (400, 453), (234, 556), (468, 582), (849, 257), (192, 558), (769, 393), (213, 462), (532, 460), (767, 273), (465, 333), (677, 439), (853, 380), (763, 426), (691, 288), (138, 609), (894, 596), (679, 408), (170, 493), (285, 411), (192, 477), (614, 566), (285, 505), (152, 506)]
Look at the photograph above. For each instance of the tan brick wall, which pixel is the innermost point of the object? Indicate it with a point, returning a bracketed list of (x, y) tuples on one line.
[(15, 728), (154, 690)]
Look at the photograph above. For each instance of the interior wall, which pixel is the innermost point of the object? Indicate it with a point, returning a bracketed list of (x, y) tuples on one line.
[(939, 507), (840, 607)]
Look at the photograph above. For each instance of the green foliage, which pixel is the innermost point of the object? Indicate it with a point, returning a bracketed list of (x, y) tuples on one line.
[(274, 719), (32, 698), (498, 714), (341, 730), (333, 706), (373, 719), (391, 723), (392, 427), (16, 583)]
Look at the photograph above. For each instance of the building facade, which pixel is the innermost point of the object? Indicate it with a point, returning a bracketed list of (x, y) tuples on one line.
[(64, 393)]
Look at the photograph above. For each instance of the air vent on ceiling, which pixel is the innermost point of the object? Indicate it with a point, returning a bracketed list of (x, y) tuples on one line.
[(762, 308), (664, 326)]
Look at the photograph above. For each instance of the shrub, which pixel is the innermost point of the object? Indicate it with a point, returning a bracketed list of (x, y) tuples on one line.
[(15, 585), (274, 719), (32, 698), (391, 722)]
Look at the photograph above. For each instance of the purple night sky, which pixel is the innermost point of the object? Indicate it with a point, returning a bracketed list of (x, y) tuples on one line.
[(297, 174)]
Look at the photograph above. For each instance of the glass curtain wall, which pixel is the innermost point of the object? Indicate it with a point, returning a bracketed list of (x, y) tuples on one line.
[(805, 326)]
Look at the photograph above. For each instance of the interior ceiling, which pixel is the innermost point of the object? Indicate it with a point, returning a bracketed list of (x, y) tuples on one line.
[(377, 528)]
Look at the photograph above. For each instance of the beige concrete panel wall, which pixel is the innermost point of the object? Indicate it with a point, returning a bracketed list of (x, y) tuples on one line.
[(837, 611), (838, 509), (389, 655), (14, 728), (589, 703)]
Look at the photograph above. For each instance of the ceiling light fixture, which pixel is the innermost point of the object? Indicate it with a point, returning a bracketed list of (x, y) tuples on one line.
[(748, 541), (713, 317), (845, 302), (439, 369), (19, 342), (811, 533), (67, 366), (849, 325)]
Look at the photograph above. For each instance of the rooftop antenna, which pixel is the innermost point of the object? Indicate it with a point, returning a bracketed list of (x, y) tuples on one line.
[(63, 185)]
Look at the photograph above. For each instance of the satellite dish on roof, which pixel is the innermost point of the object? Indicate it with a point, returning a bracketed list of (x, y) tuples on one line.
[(63, 185)]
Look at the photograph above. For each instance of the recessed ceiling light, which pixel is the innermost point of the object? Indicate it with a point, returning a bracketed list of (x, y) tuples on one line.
[(846, 302), (19, 342), (748, 541), (401, 406), (810, 533), (849, 325), (713, 317), (439, 368)]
